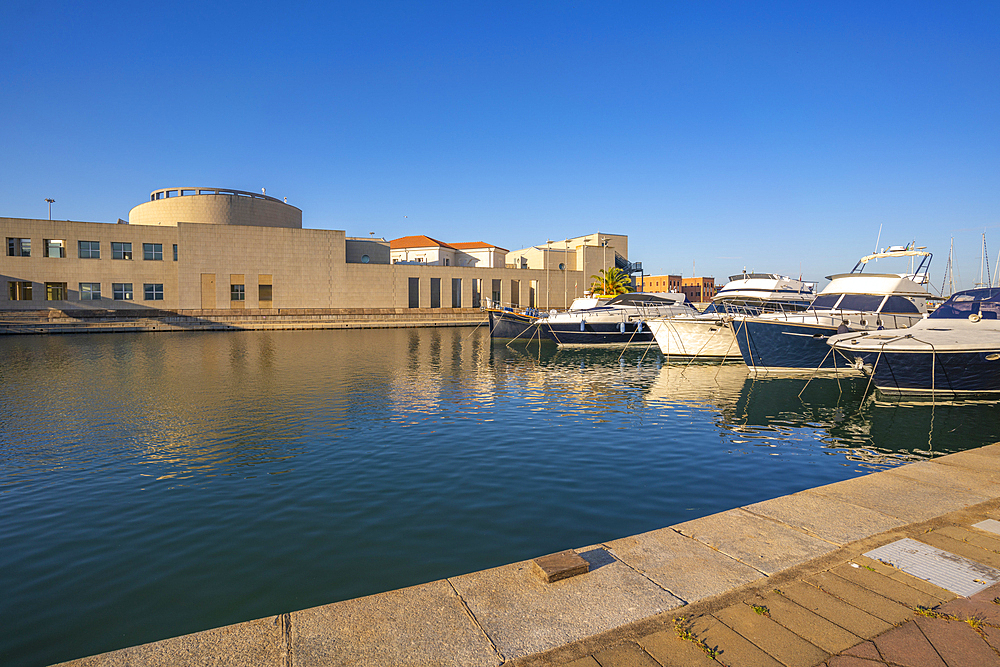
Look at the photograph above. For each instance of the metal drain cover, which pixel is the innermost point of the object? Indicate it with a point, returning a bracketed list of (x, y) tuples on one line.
[(941, 568), (989, 525)]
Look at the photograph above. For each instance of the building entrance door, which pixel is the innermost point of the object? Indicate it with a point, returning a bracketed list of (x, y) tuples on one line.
[(208, 291)]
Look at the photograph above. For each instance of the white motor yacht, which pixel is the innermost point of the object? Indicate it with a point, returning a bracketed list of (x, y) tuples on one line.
[(710, 335)]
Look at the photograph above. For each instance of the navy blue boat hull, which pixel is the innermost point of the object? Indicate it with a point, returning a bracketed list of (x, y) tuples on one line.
[(786, 345), (597, 334), (955, 373), (508, 325)]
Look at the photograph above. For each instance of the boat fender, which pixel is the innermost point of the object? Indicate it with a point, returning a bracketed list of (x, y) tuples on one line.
[(638, 328), (974, 317), (621, 327), (583, 324)]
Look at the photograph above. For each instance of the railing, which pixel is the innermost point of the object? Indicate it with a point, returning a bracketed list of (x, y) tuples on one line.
[(170, 193)]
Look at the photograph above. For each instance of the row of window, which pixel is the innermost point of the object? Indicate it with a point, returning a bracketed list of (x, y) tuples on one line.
[(85, 249), (20, 290), (478, 286)]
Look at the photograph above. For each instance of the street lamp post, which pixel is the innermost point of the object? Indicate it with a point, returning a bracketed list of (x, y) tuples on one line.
[(565, 275), (548, 259), (51, 202)]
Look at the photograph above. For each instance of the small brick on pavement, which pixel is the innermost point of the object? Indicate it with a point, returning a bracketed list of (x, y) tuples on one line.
[(560, 565)]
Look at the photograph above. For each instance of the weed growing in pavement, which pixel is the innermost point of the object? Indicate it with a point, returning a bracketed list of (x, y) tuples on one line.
[(975, 622), (683, 631), (761, 609)]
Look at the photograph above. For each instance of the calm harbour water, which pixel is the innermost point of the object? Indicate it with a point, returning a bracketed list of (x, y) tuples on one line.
[(153, 485)]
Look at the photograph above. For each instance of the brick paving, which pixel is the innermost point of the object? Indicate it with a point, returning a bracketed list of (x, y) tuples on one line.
[(856, 612)]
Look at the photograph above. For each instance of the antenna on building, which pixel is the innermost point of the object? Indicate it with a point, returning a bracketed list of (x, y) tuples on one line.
[(51, 202)]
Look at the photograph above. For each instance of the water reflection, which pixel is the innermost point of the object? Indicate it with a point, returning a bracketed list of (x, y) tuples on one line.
[(154, 484)]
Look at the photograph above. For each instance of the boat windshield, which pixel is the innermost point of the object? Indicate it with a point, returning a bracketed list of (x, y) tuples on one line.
[(643, 299), (825, 302), (867, 303), (899, 304), (983, 302)]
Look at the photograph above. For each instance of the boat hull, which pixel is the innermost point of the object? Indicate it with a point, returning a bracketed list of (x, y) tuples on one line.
[(701, 339), (506, 325), (780, 345), (597, 333), (941, 374)]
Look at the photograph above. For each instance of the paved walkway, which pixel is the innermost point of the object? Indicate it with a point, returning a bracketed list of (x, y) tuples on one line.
[(784, 582)]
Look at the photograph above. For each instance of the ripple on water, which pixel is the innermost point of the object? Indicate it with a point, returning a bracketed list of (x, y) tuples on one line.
[(152, 485)]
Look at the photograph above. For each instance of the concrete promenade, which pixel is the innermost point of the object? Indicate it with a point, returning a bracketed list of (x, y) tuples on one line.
[(780, 582), (97, 321)]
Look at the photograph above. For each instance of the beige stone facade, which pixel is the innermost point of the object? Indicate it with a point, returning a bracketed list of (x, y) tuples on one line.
[(199, 265), (214, 206), (586, 255)]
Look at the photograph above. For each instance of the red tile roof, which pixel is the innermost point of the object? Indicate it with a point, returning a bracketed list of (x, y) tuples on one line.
[(422, 241), (469, 245), (417, 242)]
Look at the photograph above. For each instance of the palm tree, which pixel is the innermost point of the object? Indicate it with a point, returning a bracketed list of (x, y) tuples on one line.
[(612, 281)]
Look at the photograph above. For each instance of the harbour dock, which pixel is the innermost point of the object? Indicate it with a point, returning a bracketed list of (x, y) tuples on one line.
[(55, 321), (896, 567)]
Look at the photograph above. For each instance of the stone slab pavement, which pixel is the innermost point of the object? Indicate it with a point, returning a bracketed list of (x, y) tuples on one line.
[(783, 582)]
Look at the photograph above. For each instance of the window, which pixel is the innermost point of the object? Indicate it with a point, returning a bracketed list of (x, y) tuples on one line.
[(175, 252), (237, 293), (90, 291), (477, 292), (18, 247), (825, 301), (456, 292), (121, 291), (899, 304), (121, 250), (152, 251), (496, 293), (414, 295), (55, 291), (264, 293), (20, 290), (864, 302), (515, 293), (90, 250), (152, 292), (435, 292), (54, 248), (365, 259)]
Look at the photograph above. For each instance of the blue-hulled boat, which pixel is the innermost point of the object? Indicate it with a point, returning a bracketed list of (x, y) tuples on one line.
[(955, 352), (855, 301), (507, 323)]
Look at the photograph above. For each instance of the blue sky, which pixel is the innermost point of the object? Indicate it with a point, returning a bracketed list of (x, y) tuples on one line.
[(771, 136)]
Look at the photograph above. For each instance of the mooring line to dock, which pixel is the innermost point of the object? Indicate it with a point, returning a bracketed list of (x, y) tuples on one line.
[(634, 332), (726, 355), (474, 331)]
